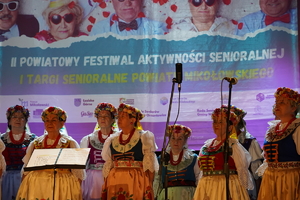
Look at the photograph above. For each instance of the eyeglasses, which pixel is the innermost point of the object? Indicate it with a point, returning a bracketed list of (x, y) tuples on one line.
[(56, 19), (12, 6), (20, 118), (198, 3)]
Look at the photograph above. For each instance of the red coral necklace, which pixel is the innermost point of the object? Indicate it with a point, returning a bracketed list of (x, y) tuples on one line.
[(212, 148), (123, 142), (53, 146), (12, 139), (173, 162), (278, 132), (101, 139)]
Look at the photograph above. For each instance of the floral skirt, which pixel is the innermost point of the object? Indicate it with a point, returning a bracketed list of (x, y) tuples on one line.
[(39, 184), (91, 186), (280, 184), (214, 188), (127, 183)]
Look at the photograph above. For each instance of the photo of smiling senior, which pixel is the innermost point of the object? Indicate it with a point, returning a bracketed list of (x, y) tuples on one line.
[(63, 18)]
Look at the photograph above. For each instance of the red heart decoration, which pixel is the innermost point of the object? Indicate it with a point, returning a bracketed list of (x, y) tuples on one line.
[(240, 26), (92, 19), (174, 8), (89, 28), (227, 2), (102, 5), (106, 14)]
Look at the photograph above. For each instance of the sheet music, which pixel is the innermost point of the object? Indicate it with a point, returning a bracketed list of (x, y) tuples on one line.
[(66, 156)]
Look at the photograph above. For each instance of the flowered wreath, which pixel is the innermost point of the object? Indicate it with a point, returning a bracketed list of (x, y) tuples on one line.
[(62, 115), (288, 93), (105, 106), (178, 127), (239, 112), (17, 108), (132, 111), (223, 112)]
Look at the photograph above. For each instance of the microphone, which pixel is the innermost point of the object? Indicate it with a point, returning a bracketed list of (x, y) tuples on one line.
[(179, 75), (233, 80)]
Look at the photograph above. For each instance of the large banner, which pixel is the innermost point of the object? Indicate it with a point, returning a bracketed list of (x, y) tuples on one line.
[(77, 54)]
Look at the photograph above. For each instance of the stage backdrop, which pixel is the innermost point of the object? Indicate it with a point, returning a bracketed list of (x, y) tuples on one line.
[(77, 73)]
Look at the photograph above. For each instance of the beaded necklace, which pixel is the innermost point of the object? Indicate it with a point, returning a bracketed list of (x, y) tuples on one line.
[(124, 142), (280, 132), (212, 148), (101, 139), (53, 146), (12, 139), (173, 162)]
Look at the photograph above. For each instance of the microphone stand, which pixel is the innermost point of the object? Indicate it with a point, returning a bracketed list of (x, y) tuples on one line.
[(226, 146), (165, 157)]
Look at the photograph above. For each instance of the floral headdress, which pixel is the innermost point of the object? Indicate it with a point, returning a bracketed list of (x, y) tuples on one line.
[(133, 112), (239, 112), (17, 108), (178, 127), (223, 112), (105, 106), (289, 94), (62, 115)]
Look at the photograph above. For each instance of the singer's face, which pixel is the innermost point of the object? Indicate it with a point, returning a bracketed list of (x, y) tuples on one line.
[(124, 120), (219, 126), (104, 119), (53, 124), (283, 108), (177, 140)]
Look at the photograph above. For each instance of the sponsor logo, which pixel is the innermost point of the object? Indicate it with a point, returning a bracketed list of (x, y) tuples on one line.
[(260, 97), (84, 102), (37, 113), (127, 101), (77, 102), (258, 110), (87, 114), (163, 101)]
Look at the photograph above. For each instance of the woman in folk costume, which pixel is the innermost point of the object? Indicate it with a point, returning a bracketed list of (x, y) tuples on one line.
[(106, 115), (251, 145), (39, 184), (281, 167), (16, 140), (130, 161), (183, 170), (212, 181)]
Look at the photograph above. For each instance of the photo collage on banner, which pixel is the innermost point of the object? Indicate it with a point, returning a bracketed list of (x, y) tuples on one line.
[(77, 53)]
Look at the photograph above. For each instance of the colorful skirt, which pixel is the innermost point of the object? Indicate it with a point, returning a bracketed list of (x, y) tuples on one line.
[(128, 183), (39, 185), (280, 184), (91, 186), (178, 193), (214, 188), (11, 181)]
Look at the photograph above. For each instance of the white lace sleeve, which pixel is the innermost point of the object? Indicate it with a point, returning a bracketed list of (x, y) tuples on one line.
[(256, 155), (106, 154), (262, 168), (242, 160), (84, 143), (2, 159), (149, 147), (79, 173), (26, 158), (197, 171)]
